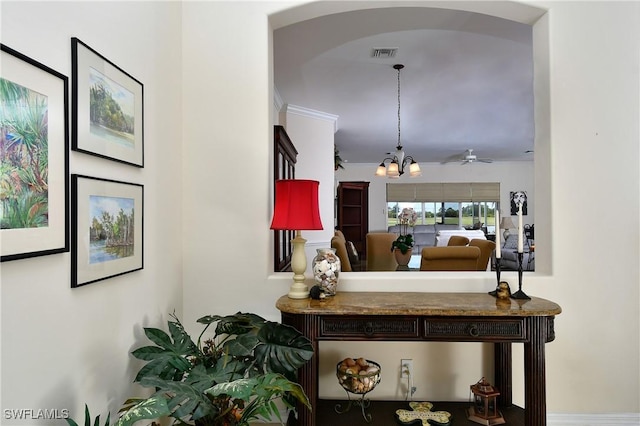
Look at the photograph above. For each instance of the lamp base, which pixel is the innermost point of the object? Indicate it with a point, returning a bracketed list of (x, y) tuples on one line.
[(299, 289)]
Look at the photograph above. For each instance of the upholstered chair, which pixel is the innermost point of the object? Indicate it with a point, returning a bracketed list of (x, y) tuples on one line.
[(379, 254), (486, 249), (450, 258), (340, 245), (457, 240)]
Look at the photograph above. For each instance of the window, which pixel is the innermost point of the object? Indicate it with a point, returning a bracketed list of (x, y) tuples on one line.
[(464, 204)]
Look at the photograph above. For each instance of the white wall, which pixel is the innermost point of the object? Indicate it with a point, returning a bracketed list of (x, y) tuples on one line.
[(312, 135), (62, 347), (593, 97)]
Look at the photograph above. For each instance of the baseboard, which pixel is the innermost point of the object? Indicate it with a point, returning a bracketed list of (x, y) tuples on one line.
[(610, 419)]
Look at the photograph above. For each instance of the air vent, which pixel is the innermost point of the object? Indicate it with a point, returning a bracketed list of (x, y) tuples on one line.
[(384, 52)]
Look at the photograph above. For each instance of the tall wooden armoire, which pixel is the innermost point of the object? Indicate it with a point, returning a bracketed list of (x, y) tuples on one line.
[(353, 213)]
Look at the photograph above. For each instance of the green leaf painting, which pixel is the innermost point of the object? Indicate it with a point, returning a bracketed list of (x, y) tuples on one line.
[(24, 157)]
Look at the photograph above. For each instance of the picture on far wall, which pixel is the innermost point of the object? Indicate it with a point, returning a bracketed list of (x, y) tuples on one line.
[(107, 229), (34, 158), (518, 197), (107, 108)]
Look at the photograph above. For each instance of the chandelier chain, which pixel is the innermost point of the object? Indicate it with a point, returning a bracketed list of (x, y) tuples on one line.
[(399, 106)]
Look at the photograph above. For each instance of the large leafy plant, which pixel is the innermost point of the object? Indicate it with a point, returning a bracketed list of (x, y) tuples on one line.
[(229, 379)]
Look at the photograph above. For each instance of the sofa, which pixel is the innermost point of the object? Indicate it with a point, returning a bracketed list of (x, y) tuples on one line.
[(509, 251), (436, 235)]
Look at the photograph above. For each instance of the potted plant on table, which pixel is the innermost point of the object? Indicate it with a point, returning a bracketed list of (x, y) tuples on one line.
[(229, 379), (403, 245)]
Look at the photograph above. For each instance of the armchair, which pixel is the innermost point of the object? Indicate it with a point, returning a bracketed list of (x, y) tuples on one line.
[(379, 254), (486, 249)]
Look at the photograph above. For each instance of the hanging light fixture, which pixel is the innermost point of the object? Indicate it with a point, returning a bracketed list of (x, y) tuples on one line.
[(399, 161)]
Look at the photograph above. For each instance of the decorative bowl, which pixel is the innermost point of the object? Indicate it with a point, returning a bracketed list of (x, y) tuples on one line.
[(358, 375)]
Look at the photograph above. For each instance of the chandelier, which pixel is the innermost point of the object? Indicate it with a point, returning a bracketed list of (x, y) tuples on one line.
[(399, 161)]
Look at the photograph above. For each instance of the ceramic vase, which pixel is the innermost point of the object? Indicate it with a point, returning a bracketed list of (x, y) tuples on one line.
[(326, 269), (402, 259)]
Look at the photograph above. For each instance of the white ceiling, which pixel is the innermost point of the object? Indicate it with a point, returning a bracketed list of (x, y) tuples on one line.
[(467, 82)]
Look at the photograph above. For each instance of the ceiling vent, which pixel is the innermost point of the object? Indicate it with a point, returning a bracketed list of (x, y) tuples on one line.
[(384, 52)]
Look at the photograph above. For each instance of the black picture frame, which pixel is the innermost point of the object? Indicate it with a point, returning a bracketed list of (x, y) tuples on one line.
[(34, 182), (107, 229), (515, 199), (98, 85)]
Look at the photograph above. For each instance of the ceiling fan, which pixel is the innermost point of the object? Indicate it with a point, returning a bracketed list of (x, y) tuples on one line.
[(466, 157)]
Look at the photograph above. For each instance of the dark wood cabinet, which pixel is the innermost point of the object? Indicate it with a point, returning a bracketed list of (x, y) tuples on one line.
[(284, 157), (353, 213)]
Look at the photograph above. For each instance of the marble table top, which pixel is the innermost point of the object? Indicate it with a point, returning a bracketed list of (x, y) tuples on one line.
[(415, 303)]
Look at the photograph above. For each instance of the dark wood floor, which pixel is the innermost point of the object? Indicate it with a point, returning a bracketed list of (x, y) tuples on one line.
[(383, 413)]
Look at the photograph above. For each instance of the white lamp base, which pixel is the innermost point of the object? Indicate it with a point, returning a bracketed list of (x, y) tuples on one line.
[(299, 289)]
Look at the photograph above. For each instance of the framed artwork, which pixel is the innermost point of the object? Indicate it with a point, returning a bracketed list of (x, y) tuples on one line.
[(106, 230), (34, 158), (517, 198), (107, 108)]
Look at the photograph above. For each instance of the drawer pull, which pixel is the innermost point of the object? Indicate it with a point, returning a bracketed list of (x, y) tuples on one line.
[(368, 329), (473, 330)]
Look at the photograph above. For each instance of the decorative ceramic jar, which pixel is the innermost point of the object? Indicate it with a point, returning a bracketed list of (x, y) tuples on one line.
[(326, 268), (403, 259)]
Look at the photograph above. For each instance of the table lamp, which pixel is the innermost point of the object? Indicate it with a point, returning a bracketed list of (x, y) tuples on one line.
[(296, 209), (506, 223)]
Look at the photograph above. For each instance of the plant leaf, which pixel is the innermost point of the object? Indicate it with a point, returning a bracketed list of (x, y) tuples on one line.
[(282, 349), (242, 388), (242, 345), (150, 408)]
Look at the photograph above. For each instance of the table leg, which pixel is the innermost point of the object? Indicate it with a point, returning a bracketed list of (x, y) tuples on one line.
[(503, 373), (534, 373), (308, 374)]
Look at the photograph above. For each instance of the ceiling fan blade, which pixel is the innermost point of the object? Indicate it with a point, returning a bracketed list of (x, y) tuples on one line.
[(485, 160), (453, 159)]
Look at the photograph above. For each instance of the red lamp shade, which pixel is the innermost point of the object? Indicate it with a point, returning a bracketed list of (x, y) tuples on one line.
[(296, 206)]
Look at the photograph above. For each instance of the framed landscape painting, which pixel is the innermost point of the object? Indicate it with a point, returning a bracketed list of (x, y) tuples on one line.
[(34, 158), (107, 108), (106, 230)]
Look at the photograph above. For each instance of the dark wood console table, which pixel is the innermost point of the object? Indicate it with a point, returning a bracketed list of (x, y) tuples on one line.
[(448, 317)]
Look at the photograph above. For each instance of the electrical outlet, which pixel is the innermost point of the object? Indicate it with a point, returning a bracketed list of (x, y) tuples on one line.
[(406, 368)]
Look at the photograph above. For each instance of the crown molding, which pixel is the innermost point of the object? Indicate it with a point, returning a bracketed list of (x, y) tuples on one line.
[(311, 113), (277, 99)]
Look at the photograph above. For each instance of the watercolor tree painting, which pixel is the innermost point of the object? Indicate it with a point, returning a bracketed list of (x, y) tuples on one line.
[(111, 232), (111, 110)]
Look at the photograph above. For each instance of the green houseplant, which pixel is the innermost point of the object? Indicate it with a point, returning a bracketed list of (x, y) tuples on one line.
[(229, 379), (404, 242)]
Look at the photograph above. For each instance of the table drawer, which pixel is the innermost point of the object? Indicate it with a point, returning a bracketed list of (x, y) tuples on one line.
[(474, 329), (370, 328)]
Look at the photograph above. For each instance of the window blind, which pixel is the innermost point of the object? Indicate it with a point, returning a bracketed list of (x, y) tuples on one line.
[(436, 192), (401, 192)]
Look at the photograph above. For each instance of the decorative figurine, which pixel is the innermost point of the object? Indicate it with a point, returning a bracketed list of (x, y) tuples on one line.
[(503, 291)]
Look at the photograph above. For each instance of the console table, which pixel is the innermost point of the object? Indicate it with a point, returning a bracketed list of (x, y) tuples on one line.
[(449, 317)]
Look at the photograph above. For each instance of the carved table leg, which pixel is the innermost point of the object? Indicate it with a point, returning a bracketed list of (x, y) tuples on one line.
[(534, 373), (503, 376), (308, 374)]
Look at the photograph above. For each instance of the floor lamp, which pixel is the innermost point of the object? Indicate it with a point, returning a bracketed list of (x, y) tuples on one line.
[(296, 209)]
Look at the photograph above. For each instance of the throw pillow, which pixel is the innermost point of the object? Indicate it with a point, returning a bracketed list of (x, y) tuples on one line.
[(352, 252)]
